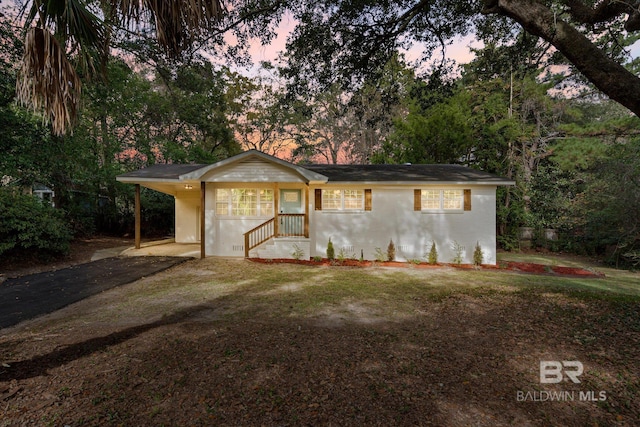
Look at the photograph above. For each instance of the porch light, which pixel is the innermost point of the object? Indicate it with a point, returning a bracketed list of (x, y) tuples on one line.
[(188, 187)]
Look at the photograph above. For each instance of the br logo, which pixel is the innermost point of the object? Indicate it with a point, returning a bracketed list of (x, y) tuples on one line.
[(553, 371)]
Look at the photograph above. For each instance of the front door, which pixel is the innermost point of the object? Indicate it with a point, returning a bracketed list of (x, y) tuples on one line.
[(291, 221), (291, 202)]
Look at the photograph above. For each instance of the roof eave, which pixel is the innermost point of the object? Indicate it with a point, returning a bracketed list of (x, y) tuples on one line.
[(404, 183)]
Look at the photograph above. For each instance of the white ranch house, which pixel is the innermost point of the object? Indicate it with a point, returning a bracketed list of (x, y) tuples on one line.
[(256, 205)]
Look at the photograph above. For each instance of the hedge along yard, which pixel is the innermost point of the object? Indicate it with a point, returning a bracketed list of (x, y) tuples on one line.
[(233, 342)]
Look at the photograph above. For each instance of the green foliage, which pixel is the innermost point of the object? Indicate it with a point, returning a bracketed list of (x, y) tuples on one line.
[(343, 255), (442, 133), (433, 254), (298, 252), (478, 255), (331, 252), (458, 249), (391, 251), (608, 212), (379, 255), (509, 241), (158, 212), (28, 226)]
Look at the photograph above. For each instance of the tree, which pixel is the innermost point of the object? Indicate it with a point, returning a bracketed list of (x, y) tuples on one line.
[(441, 133), (335, 41), (63, 36), (325, 46), (574, 28), (27, 156), (259, 114)]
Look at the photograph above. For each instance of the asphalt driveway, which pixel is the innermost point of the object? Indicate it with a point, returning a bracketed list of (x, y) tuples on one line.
[(29, 296)]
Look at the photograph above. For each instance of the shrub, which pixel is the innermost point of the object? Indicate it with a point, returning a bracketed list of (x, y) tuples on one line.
[(380, 256), (457, 250), (391, 251), (331, 252), (478, 255), (29, 226), (297, 253), (433, 254)]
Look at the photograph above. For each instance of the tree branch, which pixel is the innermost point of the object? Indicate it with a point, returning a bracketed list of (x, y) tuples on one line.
[(605, 11), (605, 73)]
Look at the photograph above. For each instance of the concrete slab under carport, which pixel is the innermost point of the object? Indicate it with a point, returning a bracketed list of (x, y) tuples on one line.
[(164, 247)]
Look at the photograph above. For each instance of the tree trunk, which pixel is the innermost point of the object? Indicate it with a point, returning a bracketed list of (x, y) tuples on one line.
[(606, 74)]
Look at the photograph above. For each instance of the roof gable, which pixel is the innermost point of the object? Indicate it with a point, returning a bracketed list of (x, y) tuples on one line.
[(254, 166)]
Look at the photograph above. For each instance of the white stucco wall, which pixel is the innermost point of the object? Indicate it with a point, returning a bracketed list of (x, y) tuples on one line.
[(187, 208), (392, 218), (225, 234)]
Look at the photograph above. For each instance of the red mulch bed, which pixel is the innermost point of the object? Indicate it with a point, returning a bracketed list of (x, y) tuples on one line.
[(522, 267)]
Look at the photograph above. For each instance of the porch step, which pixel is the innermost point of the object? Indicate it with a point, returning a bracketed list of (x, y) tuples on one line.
[(283, 247)]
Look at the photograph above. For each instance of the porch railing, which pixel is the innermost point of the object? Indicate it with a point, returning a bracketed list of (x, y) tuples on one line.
[(283, 225), (290, 225)]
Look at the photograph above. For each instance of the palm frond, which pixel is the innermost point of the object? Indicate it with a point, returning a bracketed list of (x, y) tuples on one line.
[(176, 22), (47, 82)]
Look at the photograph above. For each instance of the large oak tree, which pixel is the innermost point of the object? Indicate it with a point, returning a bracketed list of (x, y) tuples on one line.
[(333, 38)]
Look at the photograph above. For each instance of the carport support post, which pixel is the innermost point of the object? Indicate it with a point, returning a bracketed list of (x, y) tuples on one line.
[(137, 216), (203, 187)]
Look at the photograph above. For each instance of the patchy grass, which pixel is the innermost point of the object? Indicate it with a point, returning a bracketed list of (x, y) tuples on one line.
[(231, 342)]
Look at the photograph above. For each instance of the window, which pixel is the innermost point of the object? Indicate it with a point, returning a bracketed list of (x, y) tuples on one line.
[(222, 201), (332, 199), (244, 202), (442, 200), (430, 199), (266, 202), (353, 199), (451, 199), (343, 200)]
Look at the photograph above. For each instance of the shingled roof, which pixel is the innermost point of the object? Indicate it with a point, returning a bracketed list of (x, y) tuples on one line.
[(162, 171), (405, 173)]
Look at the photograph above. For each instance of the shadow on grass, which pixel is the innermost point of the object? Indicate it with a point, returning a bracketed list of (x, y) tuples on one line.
[(39, 365)]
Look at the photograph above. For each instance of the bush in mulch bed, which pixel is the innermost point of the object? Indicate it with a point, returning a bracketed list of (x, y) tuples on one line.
[(523, 267)]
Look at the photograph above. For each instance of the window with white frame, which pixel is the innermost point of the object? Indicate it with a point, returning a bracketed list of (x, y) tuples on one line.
[(343, 200), (441, 200), (244, 202)]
